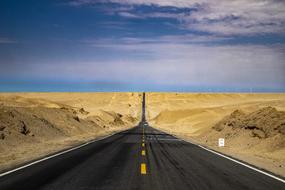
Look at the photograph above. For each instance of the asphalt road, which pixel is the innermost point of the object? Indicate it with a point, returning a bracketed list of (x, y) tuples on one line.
[(140, 158)]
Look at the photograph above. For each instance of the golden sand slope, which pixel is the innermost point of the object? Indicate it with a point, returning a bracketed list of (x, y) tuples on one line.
[(192, 116), (124, 103), (35, 124), (194, 113)]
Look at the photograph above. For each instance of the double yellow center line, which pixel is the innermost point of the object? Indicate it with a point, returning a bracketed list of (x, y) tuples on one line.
[(143, 153)]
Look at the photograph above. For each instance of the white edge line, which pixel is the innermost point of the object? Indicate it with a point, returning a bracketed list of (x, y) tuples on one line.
[(241, 163), (236, 161), (57, 154)]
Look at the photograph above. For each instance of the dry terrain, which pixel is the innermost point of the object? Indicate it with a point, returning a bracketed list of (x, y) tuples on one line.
[(33, 125), (253, 125)]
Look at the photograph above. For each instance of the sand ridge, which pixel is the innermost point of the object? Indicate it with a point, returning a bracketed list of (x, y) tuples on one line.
[(33, 125), (252, 124)]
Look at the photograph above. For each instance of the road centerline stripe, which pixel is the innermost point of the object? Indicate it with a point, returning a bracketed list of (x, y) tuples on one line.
[(143, 168)]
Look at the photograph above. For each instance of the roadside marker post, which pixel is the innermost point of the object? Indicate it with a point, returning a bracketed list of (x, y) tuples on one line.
[(221, 142)]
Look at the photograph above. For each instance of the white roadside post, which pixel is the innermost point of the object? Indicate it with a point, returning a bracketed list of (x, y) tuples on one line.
[(221, 142)]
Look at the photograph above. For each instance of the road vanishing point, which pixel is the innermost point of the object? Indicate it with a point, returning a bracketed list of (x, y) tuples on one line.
[(139, 158)]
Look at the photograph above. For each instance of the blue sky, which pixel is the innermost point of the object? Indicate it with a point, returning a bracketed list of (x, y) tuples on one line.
[(142, 45)]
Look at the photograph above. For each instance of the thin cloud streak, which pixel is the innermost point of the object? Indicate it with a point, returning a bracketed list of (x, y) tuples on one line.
[(176, 63), (165, 39), (224, 17)]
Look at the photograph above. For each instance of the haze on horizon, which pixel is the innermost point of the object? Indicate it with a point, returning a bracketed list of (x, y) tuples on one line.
[(142, 45)]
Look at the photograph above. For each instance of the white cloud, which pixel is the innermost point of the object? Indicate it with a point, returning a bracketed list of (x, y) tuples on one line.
[(166, 39), (227, 17), (129, 15), (172, 63)]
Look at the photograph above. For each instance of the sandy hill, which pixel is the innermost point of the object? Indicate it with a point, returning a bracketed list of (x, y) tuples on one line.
[(262, 130), (32, 126), (263, 123), (252, 124), (123, 103), (195, 113), (257, 137)]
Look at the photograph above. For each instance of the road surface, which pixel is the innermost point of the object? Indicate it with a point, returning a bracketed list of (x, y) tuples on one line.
[(140, 158)]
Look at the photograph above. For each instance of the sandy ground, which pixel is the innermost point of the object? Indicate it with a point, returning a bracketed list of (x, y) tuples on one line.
[(124, 103), (33, 125), (257, 135)]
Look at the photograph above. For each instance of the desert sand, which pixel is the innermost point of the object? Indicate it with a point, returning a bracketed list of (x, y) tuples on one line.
[(253, 125), (33, 125)]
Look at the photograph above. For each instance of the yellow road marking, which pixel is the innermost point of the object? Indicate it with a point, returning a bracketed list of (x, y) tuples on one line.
[(142, 144), (143, 152), (143, 168)]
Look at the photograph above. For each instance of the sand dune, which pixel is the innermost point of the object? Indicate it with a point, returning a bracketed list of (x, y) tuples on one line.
[(124, 103), (35, 124), (256, 131)]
